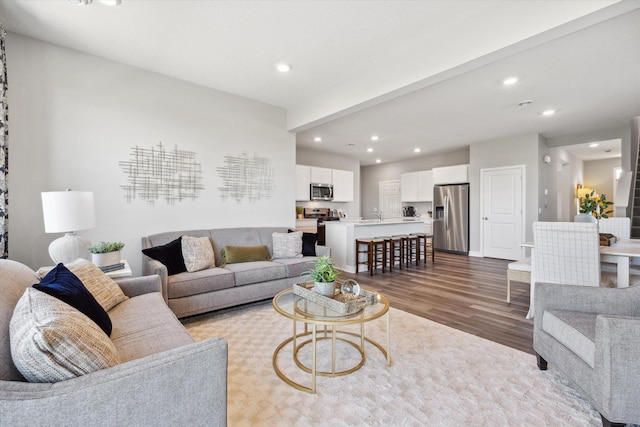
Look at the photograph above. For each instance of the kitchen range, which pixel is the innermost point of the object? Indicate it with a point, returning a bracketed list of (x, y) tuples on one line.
[(322, 215)]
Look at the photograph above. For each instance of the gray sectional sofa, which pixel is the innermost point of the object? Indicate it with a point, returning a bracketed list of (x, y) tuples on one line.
[(164, 378), (219, 287)]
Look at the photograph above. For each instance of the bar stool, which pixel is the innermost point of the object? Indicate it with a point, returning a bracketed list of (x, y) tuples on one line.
[(395, 250), (425, 242), (411, 249), (375, 251)]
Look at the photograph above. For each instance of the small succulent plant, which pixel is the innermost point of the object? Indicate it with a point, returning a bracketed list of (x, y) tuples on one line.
[(104, 247)]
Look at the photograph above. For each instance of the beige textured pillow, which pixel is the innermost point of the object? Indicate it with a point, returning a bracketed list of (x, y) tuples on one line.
[(102, 287), (52, 341), (287, 245), (197, 253)]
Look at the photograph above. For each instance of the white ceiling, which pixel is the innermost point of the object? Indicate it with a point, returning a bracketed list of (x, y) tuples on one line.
[(437, 65)]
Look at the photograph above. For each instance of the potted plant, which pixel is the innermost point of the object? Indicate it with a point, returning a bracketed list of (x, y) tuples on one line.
[(324, 275), (106, 253), (299, 212)]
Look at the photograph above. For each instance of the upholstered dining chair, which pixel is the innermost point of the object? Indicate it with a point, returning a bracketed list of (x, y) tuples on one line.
[(566, 253), (619, 226)]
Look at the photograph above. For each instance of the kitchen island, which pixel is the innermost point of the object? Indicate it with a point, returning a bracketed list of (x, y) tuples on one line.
[(341, 237)]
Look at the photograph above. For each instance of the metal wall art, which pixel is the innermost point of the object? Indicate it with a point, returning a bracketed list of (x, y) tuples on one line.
[(154, 173), (245, 177)]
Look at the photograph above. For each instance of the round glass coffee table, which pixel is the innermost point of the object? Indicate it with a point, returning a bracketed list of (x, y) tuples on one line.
[(322, 323)]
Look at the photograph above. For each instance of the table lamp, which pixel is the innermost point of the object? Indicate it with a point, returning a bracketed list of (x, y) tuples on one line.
[(68, 212)]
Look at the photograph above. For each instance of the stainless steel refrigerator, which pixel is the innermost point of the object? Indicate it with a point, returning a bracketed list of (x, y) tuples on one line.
[(451, 218)]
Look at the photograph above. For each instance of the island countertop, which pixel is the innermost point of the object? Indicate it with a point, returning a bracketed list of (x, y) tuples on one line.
[(341, 236)]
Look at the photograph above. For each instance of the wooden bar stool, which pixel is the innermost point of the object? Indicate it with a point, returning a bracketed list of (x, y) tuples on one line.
[(411, 249), (375, 251), (395, 248), (425, 242)]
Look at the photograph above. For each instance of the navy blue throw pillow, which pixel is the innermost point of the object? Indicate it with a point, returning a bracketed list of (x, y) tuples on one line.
[(170, 255), (64, 285)]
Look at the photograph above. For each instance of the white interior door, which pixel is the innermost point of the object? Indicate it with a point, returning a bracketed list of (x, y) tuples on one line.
[(502, 212), (389, 199)]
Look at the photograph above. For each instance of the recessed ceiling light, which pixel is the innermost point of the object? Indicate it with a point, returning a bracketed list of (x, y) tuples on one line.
[(378, 160), (317, 139), (369, 150), (374, 138), (111, 2), (283, 68), (593, 145), (416, 150), (548, 112), (510, 81)]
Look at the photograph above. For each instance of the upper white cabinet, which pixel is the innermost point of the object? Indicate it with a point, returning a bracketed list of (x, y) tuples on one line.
[(451, 174), (416, 186), (342, 185), (303, 180), (321, 175)]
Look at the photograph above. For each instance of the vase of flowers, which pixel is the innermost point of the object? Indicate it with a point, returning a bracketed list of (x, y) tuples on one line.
[(324, 275), (596, 205)]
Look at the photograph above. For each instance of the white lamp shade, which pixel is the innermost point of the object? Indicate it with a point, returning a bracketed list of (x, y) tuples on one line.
[(66, 211)]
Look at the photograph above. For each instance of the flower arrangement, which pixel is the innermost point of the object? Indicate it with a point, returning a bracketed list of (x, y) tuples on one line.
[(595, 205)]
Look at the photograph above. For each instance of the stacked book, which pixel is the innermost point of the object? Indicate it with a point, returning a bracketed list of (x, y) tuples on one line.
[(113, 267)]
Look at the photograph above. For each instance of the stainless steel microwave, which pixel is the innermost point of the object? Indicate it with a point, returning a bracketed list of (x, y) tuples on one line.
[(321, 191)]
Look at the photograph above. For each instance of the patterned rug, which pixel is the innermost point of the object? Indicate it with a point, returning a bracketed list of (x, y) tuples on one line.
[(439, 376)]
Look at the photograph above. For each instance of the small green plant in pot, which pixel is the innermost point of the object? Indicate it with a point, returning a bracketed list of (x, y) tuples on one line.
[(299, 212), (106, 253), (324, 275)]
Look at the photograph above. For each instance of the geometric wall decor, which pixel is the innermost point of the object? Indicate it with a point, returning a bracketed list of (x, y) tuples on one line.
[(154, 173), (245, 177)]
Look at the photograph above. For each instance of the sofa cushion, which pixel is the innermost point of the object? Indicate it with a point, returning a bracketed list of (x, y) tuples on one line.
[(170, 255), (574, 330), (296, 267), (247, 273), (287, 245), (198, 282), (238, 254), (52, 341), (197, 253), (14, 279), (233, 237), (102, 287), (64, 285), (144, 325)]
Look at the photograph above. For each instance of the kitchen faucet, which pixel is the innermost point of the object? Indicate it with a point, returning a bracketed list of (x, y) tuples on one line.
[(378, 214)]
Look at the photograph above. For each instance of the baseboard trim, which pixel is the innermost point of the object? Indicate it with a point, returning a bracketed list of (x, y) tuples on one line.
[(476, 254)]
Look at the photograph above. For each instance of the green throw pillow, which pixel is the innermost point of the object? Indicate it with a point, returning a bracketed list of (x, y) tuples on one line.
[(235, 254)]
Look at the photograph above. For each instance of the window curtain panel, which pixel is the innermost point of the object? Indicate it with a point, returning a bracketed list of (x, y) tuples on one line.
[(4, 152)]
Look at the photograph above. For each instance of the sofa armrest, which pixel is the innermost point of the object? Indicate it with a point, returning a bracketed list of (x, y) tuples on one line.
[(151, 267), (323, 251), (134, 286), (586, 299), (617, 364), (183, 386)]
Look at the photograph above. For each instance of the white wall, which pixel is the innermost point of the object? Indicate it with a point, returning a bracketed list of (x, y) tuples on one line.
[(73, 117)]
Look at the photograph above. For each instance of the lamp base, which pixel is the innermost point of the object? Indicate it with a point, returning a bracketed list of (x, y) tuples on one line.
[(68, 248)]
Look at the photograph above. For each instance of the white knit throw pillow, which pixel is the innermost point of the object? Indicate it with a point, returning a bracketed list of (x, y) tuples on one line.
[(197, 253), (287, 245)]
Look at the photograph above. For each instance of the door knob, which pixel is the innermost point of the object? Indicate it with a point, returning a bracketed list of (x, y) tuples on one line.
[(485, 218)]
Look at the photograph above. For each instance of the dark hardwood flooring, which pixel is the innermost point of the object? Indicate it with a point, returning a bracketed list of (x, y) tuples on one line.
[(466, 293)]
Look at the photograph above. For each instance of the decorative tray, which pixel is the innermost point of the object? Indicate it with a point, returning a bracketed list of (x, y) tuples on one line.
[(343, 304)]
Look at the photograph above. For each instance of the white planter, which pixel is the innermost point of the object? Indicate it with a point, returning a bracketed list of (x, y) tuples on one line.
[(324, 288), (108, 258)]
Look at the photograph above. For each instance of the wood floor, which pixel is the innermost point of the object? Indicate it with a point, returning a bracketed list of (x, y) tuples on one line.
[(466, 293)]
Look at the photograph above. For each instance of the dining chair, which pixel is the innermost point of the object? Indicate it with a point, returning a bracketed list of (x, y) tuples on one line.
[(566, 253), (618, 226)]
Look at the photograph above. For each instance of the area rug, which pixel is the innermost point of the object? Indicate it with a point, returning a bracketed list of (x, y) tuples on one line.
[(439, 376)]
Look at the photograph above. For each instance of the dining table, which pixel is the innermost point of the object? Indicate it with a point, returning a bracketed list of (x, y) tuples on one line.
[(620, 253)]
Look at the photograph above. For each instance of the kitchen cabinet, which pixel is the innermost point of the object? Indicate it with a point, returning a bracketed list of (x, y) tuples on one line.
[(342, 185), (416, 186), (321, 175), (451, 174), (303, 180)]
